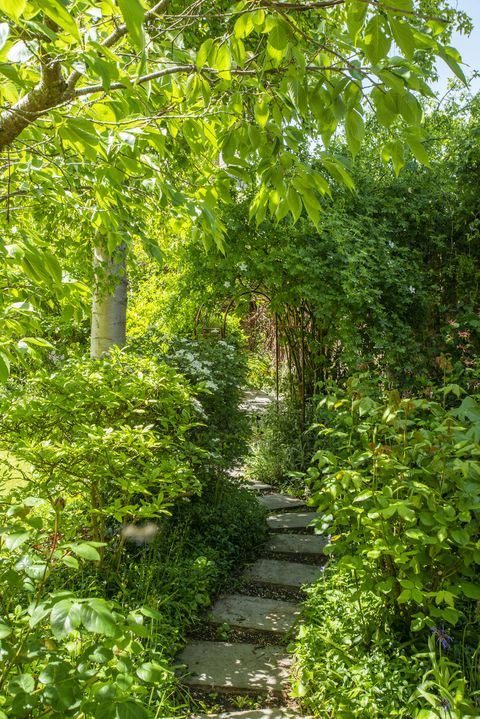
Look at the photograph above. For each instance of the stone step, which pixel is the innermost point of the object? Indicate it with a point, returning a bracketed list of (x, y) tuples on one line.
[(296, 543), (256, 486), (255, 714), (282, 574), (228, 667), (256, 402), (291, 520), (235, 472), (255, 613), (280, 501)]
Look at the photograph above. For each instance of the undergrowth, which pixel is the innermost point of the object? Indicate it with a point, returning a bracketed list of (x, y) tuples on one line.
[(346, 671)]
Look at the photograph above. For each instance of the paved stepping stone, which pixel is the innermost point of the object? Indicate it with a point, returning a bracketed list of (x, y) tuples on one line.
[(296, 543), (235, 472), (256, 486), (292, 520), (256, 402), (236, 667), (254, 714), (265, 615), (280, 501), (282, 574)]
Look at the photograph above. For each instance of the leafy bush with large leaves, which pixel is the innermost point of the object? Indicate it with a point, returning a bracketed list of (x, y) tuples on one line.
[(110, 437), (398, 480)]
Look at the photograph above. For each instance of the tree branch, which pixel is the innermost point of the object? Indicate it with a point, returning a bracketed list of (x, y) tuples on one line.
[(296, 7), (91, 89), (117, 35), (52, 90)]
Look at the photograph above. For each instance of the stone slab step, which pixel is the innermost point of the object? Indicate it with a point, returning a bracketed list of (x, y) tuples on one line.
[(256, 486), (291, 520), (235, 472), (296, 544), (228, 667), (256, 402), (255, 714), (282, 574), (255, 613), (280, 501)]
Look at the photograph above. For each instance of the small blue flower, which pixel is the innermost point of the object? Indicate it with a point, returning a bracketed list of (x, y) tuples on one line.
[(444, 639), (445, 705)]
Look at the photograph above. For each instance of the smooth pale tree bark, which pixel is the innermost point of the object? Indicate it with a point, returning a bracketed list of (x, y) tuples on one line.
[(109, 302)]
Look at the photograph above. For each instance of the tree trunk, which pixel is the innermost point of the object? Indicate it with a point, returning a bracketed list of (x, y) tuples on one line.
[(109, 303)]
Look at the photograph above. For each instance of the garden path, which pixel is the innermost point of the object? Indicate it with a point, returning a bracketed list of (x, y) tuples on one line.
[(263, 615)]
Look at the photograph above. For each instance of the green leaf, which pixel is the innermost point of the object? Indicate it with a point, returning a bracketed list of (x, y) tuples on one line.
[(86, 551), (134, 14), (243, 26), (25, 682), (60, 15), (13, 8), (70, 562), (4, 367), (277, 43), (403, 36), (418, 150), (354, 130), (448, 56), (65, 617), (54, 673), (393, 150), (151, 672), (339, 172), (294, 203), (375, 42), (356, 14), (130, 710), (404, 596), (391, 6), (261, 112), (470, 590), (5, 630), (204, 53), (312, 205), (385, 115), (223, 62), (16, 539), (98, 618), (410, 108), (460, 536)]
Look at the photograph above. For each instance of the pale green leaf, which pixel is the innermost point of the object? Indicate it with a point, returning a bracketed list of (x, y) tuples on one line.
[(134, 14), (13, 8), (57, 12), (375, 41), (4, 367), (403, 36)]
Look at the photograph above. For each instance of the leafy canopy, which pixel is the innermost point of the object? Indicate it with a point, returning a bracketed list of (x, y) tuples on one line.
[(126, 85)]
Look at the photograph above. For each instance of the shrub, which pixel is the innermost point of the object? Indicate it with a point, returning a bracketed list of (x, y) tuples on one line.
[(280, 446), (112, 438), (63, 653), (217, 371), (398, 480), (350, 664), (338, 673)]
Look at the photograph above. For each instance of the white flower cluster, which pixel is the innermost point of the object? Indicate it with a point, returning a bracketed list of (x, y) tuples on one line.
[(201, 369)]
